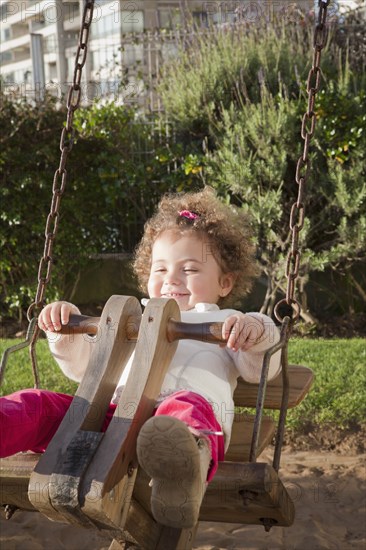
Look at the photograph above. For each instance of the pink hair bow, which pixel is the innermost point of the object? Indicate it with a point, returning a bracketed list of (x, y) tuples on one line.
[(188, 214)]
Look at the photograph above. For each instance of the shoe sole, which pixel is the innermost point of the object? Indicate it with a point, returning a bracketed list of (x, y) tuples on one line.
[(169, 454)]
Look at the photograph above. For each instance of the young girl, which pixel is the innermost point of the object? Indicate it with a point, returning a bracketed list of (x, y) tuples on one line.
[(197, 251)]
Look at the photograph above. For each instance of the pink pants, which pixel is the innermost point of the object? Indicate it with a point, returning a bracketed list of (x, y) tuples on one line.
[(30, 418)]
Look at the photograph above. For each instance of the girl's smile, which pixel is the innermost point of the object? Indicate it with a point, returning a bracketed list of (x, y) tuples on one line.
[(184, 268)]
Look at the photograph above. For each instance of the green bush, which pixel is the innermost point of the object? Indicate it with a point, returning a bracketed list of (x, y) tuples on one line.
[(235, 101), (220, 67), (28, 159), (117, 170)]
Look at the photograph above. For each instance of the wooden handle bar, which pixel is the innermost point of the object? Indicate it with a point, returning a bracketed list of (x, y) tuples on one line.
[(205, 332), (81, 324)]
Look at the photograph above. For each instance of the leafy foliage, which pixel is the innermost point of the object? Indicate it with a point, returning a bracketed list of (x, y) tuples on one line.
[(234, 100), (220, 67), (24, 176), (117, 171), (249, 119)]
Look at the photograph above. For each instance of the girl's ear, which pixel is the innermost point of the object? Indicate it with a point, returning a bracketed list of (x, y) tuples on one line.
[(227, 282)]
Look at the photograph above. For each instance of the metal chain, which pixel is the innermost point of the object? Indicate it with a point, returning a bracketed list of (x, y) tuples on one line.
[(60, 179), (297, 214)]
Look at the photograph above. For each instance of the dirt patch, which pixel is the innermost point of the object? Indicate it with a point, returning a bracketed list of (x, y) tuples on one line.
[(346, 441), (328, 491)]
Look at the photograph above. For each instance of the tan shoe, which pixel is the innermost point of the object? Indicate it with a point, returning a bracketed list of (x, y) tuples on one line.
[(178, 464)]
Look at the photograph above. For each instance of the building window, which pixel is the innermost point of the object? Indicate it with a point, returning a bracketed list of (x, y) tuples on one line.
[(6, 57), (169, 18), (132, 21), (105, 26), (72, 11), (9, 78), (52, 71), (200, 18), (129, 22), (49, 44), (5, 34), (223, 17)]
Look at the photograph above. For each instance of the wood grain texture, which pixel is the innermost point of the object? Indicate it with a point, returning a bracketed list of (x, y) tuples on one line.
[(300, 380), (111, 351), (116, 455), (15, 472), (241, 437), (223, 501), (150, 535), (266, 495)]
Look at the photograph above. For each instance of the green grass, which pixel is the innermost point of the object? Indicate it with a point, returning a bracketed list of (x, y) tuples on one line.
[(338, 395), (18, 373)]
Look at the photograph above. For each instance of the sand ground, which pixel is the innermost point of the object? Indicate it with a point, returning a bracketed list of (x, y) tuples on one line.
[(328, 490)]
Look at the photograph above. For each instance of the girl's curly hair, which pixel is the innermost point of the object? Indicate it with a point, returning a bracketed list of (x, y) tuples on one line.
[(226, 228)]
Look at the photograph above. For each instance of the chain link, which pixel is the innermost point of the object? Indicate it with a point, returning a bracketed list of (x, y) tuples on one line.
[(60, 178), (297, 214)]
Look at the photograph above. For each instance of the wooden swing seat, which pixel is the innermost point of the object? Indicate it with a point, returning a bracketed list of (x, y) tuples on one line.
[(91, 479)]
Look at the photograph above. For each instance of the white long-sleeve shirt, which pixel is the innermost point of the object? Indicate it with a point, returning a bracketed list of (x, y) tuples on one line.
[(206, 369)]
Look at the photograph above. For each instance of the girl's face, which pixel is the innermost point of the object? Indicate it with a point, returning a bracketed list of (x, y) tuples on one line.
[(183, 268)]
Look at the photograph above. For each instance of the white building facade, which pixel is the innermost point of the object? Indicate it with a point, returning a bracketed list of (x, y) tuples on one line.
[(39, 40)]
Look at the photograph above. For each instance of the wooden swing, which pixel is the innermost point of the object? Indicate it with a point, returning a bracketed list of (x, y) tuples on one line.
[(91, 478)]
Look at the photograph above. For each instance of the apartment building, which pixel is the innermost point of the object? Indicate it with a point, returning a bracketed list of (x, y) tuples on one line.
[(39, 40)]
